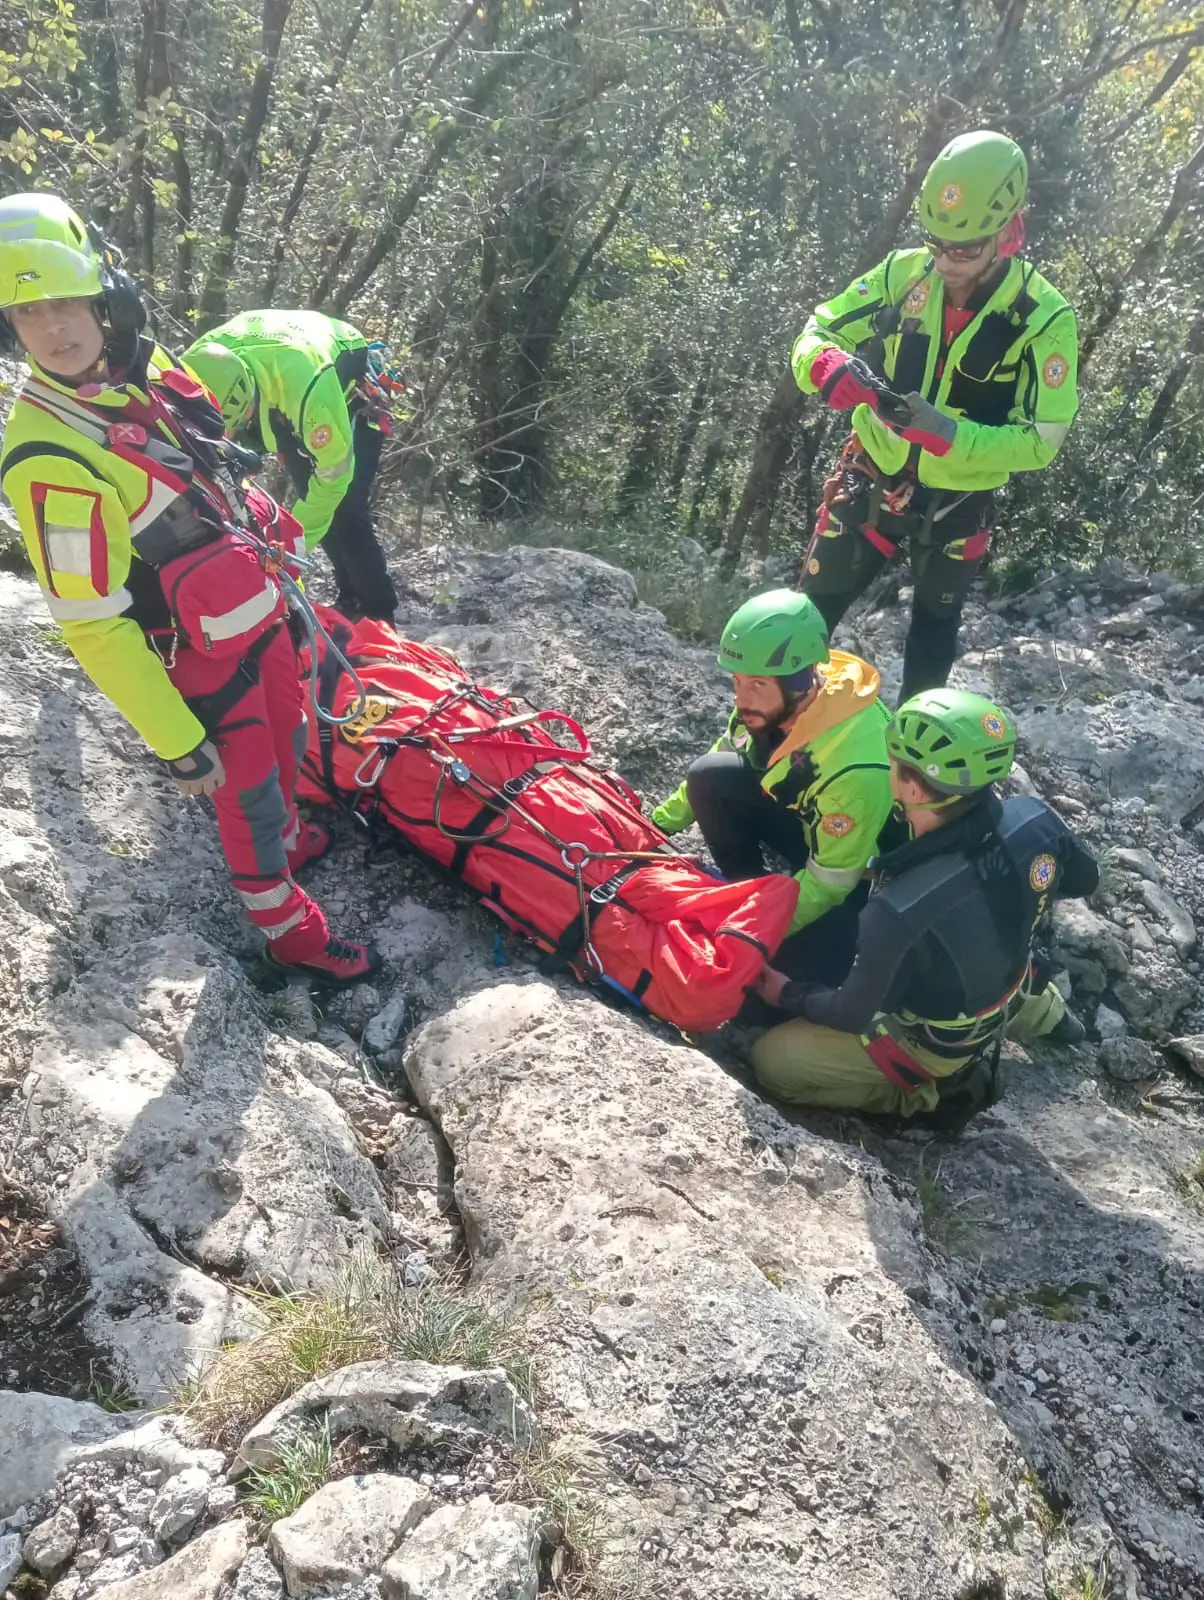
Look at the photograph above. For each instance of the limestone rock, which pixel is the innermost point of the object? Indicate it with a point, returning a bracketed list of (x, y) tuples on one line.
[(1076, 927), (258, 1578), (10, 1558), (478, 1551), (156, 1075), (346, 1530), (1128, 1059), (1190, 1051), (382, 1031), (746, 1283), (203, 1570), (50, 1546), (180, 1504), (41, 1434), (1180, 925), (407, 1403), (160, 1446)]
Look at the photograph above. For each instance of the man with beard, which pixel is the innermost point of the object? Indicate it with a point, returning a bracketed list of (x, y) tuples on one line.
[(801, 768)]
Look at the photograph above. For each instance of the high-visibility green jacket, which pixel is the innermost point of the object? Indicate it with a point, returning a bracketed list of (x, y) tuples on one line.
[(79, 506), (1009, 376), (832, 769), (306, 367)]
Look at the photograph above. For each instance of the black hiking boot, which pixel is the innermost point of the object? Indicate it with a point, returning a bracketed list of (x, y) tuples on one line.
[(975, 1088), (1069, 1031)]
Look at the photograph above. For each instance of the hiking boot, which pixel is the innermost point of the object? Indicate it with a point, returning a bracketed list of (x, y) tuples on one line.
[(1069, 1031), (341, 964), (313, 843), (962, 1097)]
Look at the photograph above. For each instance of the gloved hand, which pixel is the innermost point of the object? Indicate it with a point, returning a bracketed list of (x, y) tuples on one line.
[(200, 771), (843, 381), (931, 429)]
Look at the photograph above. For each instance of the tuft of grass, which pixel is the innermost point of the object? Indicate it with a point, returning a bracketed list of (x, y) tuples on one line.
[(111, 1394), (566, 1476), (951, 1222), (303, 1466), (363, 1313)]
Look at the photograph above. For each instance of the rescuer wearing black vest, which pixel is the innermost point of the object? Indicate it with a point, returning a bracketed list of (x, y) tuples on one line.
[(944, 949)]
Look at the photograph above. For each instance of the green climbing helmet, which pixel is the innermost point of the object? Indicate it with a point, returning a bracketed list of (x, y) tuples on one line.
[(959, 742), (974, 187), (45, 252), (227, 376), (774, 635)]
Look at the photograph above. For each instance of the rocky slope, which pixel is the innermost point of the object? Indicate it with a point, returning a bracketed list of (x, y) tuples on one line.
[(806, 1359)]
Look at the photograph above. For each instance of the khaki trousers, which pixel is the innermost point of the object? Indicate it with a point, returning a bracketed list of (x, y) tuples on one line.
[(803, 1064)]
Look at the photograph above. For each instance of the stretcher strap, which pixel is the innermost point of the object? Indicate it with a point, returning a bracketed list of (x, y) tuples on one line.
[(572, 940)]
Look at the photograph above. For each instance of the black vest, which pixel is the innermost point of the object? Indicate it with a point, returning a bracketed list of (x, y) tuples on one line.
[(971, 895)]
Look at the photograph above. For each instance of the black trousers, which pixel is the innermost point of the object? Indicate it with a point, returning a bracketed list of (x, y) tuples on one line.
[(739, 821), (365, 588), (857, 535)]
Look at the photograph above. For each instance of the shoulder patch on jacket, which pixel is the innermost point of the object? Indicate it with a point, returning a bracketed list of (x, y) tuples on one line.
[(1041, 873), (1055, 371), (838, 823), (320, 437)]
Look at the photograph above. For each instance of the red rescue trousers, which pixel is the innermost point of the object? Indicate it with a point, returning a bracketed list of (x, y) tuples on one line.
[(255, 714)]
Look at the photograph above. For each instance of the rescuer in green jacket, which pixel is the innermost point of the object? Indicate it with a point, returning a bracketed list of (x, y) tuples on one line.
[(294, 384), (984, 353), (801, 768)]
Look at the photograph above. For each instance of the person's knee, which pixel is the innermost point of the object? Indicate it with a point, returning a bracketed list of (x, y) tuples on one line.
[(721, 777), (778, 1063)]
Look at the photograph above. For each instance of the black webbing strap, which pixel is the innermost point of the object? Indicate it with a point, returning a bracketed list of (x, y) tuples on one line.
[(211, 710), (572, 941), (508, 793)]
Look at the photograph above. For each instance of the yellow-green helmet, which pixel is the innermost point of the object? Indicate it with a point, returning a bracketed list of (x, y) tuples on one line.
[(227, 377), (959, 742), (974, 187), (45, 252), (779, 634)]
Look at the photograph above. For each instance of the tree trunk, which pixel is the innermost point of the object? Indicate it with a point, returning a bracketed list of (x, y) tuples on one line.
[(214, 305), (689, 433), (651, 405)]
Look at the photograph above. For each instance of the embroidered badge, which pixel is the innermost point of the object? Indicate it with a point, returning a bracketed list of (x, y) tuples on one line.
[(863, 288), (918, 298), (320, 437), (951, 196), (1041, 873), (1055, 371), (994, 726), (813, 566), (838, 824)]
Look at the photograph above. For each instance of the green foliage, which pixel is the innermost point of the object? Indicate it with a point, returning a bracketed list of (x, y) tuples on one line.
[(303, 1466), (363, 1313), (591, 234)]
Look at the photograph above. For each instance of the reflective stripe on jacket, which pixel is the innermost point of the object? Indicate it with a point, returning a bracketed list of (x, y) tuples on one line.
[(1009, 376)]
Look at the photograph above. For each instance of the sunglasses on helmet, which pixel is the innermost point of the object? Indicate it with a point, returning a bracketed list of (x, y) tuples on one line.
[(971, 250)]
